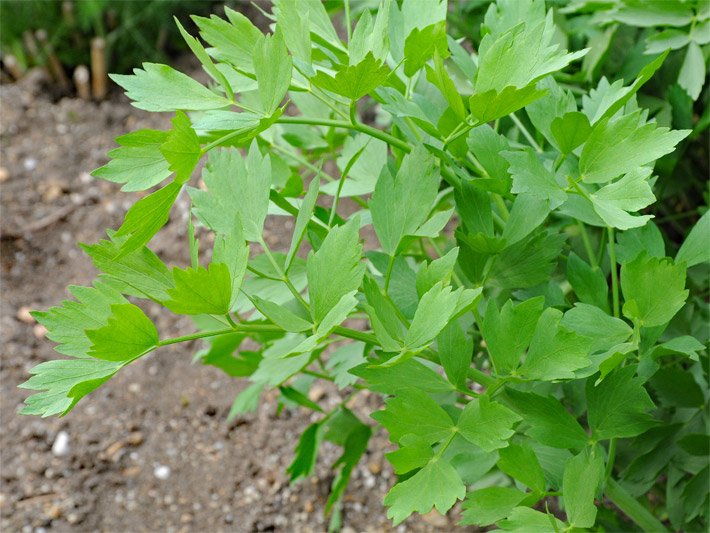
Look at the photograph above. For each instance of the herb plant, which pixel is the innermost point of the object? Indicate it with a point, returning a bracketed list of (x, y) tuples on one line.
[(540, 347)]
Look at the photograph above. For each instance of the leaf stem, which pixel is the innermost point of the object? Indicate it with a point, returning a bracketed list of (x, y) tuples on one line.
[(284, 278), (388, 274), (247, 328), (587, 244), (525, 133), (632, 508)]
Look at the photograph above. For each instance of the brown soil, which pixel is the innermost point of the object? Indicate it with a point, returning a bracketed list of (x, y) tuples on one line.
[(162, 411)]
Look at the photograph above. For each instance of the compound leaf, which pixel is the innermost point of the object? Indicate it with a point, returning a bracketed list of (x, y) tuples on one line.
[(127, 334)]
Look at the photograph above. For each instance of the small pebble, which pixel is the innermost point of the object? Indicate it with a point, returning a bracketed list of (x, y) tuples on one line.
[(30, 163), (161, 472), (39, 331), (61, 444), (4, 175)]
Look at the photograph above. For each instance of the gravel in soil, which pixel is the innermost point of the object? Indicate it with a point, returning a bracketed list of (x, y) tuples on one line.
[(151, 450)]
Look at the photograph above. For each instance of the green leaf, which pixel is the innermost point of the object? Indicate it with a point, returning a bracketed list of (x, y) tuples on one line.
[(583, 475), (414, 452), (201, 290), (439, 269), (648, 14), (618, 146), (487, 146), (272, 66), (632, 243), (128, 333), (491, 105), (455, 352), (162, 88), (653, 290), (67, 324), (344, 359), (142, 272), (589, 283), (401, 204), (437, 485), (246, 401), (306, 452), (63, 383), (234, 186), (420, 46), (570, 130), (293, 22), (603, 330), (615, 201), (487, 424), (302, 219), (233, 41), (145, 218), (440, 77), (528, 262), (232, 250), (549, 422), (676, 387), (181, 148), (207, 64), (520, 462), (414, 411), (354, 447), (617, 407), (406, 375), (520, 56), (555, 353), (695, 249), (527, 520), (506, 350), (369, 36), (280, 315), (486, 506), (138, 163), (532, 177), (354, 81), (335, 269)]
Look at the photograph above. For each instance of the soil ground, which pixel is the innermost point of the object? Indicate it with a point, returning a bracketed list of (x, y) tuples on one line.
[(151, 450)]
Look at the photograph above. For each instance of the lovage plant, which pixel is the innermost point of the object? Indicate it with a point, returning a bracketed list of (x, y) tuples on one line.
[(535, 339)]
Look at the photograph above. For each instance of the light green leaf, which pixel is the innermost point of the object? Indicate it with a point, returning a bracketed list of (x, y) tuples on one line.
[(138, 163), (666, 39), (549, 422), (142, 272), (181, 148), (337, 314), (614, 202), (583, 476), (406, 375), (648, 14), (617, 407), (145, 218), (354, 81), (483, 507), (570, 130), (528, 262), (439, 76), (63, 383), (439, 269), (505, 349), (246, 401), (692, 73), (415, 452), (437, 485), (233, 41), (618, 146), (232, 250), (455, 352), (343, 360), (695, 248), (67, 324), (272, 66), (280, 315), (234, 186), (554, 351), (162, 88), (302, 219), (527, 520), (128, 333), (421, 44), (487, 424), (494, 104), (402, 204), (414, 411), (636, 241), (532, 177), (335, 269), (201, 290), (602, 329), (653, 289)]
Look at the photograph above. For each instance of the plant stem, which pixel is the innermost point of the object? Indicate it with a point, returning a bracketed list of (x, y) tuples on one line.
[(525, 133), (614, 273), (283, 275), (354, 334), (247, 328), (388, 275), (587, 244), (632, 508)]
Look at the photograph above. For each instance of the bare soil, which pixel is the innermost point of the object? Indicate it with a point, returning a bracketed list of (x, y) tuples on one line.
[(151, 450)]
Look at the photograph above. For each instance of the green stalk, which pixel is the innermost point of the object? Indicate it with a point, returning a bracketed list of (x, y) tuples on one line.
[(587, 244), (247, 328), (632, 508), (614, 273)]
